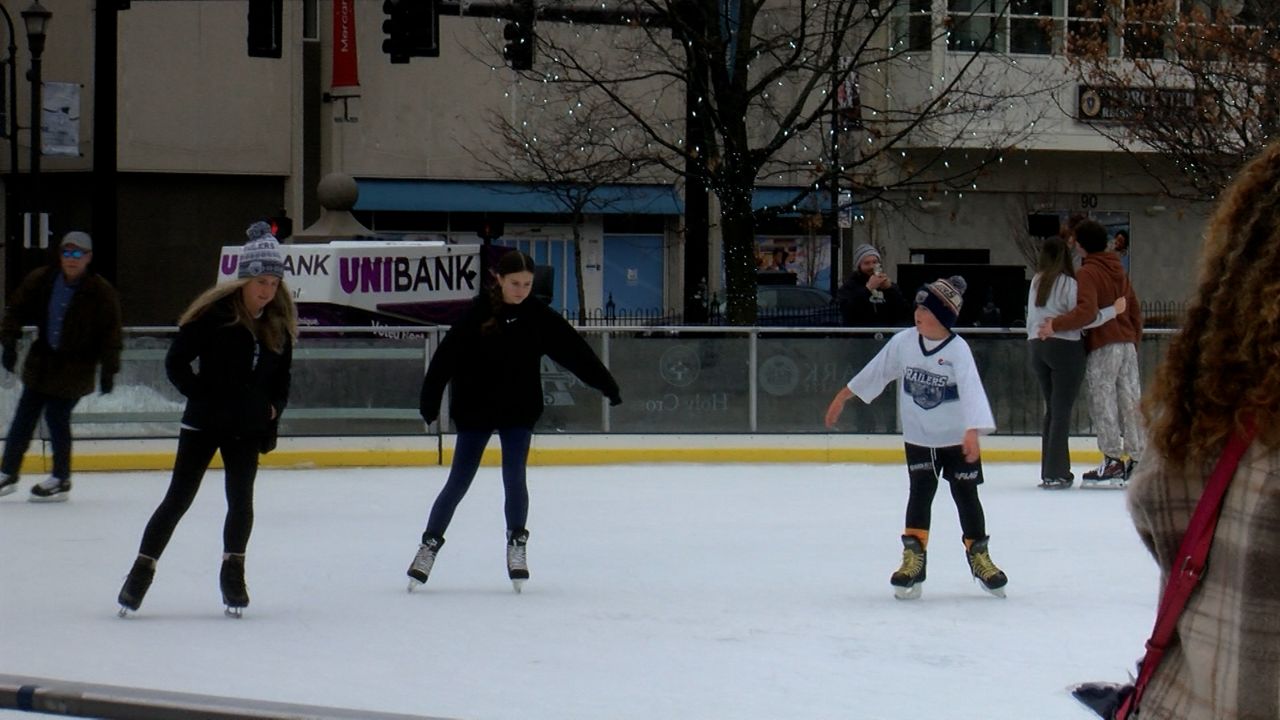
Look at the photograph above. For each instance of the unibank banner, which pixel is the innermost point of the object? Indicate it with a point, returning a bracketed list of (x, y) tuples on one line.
[(399, 278), (345, 65)]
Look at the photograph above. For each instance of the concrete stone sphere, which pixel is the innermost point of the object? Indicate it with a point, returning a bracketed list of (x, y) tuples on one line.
[(337, 191)]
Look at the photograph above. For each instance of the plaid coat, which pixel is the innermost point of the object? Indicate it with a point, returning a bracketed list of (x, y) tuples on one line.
[(1224, 661)]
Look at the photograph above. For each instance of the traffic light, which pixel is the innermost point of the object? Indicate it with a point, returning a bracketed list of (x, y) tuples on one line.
[(281, 226), (265, 17), (518, 51), (412, 28), (490, 230)]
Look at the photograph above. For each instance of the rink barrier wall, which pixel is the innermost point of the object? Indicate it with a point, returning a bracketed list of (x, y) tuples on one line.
[(111, 702), (553, 450)]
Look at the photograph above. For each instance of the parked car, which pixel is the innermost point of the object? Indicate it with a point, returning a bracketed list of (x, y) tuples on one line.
[(796, 306), (777, 305), (793, 306)]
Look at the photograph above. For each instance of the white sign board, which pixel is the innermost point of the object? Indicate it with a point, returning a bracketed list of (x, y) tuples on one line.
[(355, 281)]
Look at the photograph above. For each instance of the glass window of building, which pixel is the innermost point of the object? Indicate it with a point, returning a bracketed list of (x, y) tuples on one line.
[(913, 26), (974, 25)]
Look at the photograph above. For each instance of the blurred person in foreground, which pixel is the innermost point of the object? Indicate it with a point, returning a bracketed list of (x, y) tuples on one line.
[(1220, 376)]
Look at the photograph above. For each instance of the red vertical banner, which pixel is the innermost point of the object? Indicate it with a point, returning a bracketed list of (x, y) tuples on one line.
[(345, 64)]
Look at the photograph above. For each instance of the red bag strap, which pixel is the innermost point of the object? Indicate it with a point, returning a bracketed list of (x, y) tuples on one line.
[(1189, 564)]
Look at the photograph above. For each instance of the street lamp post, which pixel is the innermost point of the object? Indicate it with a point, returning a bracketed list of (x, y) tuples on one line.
[(11, 102), (36, 18), (11, 118)]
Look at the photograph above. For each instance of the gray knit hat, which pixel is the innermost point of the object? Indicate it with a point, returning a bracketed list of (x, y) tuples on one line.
[(861, 252), (261, 255)]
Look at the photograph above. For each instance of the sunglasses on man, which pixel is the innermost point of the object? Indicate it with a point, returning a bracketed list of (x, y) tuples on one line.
[(73, 252)]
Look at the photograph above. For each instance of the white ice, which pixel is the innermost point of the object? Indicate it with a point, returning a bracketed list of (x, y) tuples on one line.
[(657, 591)]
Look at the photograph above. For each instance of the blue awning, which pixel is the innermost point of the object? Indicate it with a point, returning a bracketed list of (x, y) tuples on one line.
[(501, 197), (791, 200), (505, 197)]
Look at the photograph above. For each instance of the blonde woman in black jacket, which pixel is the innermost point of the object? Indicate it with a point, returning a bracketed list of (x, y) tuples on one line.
[(242, 334), (493, 356)]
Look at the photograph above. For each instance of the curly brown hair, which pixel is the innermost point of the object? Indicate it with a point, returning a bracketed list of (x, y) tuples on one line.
[(1223, 367)]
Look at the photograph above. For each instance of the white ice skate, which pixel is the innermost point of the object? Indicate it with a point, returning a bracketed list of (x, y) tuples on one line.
[(423, 561), (909, 593), (517, 564)]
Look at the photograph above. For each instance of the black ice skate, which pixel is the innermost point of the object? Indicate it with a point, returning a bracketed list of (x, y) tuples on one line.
[(907, 582), (8, 484), (422, 563), (987, 574), (136, 585), (517, 565), (51, 489), (1110, 474), (1056, 483), (235, 594)]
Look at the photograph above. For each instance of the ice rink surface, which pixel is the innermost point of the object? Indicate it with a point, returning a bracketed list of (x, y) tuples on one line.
[(658, 591)]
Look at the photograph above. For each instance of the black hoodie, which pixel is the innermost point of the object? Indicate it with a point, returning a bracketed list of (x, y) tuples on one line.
[(497, 377)]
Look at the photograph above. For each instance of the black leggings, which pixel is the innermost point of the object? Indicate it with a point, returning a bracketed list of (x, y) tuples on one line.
[(467, 452), (195, 452), (924, 467)]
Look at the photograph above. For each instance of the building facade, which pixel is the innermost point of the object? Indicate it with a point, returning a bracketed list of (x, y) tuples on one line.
[(206, 138)]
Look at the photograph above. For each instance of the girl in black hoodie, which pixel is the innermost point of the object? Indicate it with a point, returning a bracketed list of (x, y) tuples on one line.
[(242, 334), (493, 356)]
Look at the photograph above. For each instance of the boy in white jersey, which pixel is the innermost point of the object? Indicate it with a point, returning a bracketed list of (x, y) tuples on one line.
[(943, 408)]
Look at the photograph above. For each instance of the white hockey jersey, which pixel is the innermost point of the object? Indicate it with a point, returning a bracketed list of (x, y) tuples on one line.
[(940, 393)]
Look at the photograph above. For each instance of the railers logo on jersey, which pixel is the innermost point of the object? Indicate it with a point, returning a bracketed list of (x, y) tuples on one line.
[(927, 389)]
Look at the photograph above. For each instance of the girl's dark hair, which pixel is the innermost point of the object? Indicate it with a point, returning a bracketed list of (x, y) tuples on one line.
[(1054, 260), (513, 262)]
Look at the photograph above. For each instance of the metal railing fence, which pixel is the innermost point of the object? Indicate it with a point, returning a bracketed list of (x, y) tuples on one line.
[(674, 380)]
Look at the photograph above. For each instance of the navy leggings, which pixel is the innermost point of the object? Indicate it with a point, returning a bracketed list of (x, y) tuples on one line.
[(195, 452), (924, 466), (466, 460), (57, 417)]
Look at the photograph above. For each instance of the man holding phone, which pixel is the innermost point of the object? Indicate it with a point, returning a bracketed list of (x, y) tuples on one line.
[(869, 297)]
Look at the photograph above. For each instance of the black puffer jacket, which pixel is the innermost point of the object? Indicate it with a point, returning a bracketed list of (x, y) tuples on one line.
[(90, 334), (229, 395), (858, 310), (497, 378)]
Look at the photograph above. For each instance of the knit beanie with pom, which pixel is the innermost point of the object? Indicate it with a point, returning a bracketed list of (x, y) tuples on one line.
[(261, 255)]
